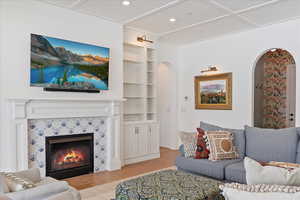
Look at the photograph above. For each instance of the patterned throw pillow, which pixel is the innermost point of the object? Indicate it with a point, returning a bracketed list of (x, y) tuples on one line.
[(202, 151), (261, 188), (235, 191), (285, 165), (189, 141), (16, 184), (220, 145), (258, 174)]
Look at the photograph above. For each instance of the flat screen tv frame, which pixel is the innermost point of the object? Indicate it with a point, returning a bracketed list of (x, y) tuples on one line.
[(78, 67)]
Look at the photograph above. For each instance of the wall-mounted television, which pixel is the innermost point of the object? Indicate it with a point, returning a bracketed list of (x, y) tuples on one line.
[(67, 65)]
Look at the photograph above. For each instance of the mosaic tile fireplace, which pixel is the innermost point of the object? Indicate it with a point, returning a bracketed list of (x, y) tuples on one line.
[(35, 120), (42, 129)]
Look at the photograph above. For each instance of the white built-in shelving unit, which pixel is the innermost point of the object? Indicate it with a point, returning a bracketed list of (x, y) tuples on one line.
[(139, 84), (141, 130)]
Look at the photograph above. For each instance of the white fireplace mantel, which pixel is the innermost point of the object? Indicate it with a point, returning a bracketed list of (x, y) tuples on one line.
[(23, 110)]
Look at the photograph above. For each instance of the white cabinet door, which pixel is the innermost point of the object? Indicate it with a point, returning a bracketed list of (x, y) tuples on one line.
[(153, 138), (131, 141), (142, 139)]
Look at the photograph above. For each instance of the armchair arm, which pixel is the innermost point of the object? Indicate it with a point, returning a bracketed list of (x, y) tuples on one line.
[(40, 192), (31, 174), (4, 197)]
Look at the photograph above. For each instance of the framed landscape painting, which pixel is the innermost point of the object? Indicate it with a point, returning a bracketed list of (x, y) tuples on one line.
[(213, 92)]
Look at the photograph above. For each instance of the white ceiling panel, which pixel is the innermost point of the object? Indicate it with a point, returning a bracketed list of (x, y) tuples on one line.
[(186, 13), (114, 10), (209, 30), (236, 5), (62, 3), (274, 13), (195, 19)]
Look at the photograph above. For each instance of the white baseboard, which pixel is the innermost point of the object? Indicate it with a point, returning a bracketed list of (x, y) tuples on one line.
[(169, 147), (141, 159)]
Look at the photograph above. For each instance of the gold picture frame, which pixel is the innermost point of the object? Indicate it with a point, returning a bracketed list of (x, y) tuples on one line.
[(213, 92)]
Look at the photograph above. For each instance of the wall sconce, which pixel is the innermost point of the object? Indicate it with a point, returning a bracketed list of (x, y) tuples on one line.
[(144, 39), (210, 69)]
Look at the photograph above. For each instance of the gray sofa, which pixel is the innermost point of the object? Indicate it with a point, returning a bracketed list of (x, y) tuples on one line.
[(265, 145), (46, 188)]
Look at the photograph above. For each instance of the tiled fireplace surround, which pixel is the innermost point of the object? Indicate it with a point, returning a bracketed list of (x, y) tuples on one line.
[(35, 119)]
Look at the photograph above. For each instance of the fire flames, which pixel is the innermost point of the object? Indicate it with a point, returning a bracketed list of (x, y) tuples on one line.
[(72, 156)]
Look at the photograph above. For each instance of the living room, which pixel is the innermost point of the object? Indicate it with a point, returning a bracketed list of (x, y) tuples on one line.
[(133, 121)]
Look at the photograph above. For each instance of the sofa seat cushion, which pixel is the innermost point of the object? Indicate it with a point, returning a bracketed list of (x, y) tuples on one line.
[(271, 144), (214, 169), (239, 136), (236, 172)]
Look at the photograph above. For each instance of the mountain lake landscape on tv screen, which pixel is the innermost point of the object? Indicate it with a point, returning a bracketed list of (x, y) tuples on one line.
[(57, 63)]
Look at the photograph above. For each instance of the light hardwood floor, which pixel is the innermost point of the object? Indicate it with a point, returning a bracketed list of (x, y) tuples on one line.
[(167, 159)]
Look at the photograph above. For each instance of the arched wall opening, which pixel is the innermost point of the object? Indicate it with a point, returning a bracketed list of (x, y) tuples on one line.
[(275, 90)]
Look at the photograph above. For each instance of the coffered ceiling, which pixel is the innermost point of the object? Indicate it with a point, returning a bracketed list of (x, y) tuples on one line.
[(195, 19)]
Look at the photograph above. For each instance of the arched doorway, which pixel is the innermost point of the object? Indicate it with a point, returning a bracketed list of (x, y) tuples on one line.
[(275, 90)]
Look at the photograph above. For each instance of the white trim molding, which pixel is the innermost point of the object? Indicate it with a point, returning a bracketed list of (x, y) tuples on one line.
[(22, 110)]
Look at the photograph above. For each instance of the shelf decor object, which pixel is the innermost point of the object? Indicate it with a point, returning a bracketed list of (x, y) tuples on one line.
[(213, 92)]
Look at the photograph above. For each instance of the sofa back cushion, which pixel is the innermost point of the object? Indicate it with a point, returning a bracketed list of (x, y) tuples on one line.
[(271, 144), (239, 136), (298, 148), (181, 150)]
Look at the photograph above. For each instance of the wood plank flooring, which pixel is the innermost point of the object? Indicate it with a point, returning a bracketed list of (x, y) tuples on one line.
[(167, 159)]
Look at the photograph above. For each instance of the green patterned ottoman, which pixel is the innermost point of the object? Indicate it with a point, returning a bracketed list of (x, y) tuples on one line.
[(169, 185)]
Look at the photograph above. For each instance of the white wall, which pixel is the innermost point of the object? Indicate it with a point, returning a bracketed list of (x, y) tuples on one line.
[(18, 19), (238, 54)]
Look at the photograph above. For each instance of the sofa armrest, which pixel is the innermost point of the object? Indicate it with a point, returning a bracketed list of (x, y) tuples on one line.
[(181, 150), (40, 192)]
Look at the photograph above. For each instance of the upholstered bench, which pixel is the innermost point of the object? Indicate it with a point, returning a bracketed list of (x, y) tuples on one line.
[(169, 185)]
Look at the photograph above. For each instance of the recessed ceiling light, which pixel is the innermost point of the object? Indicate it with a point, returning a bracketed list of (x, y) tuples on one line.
[(172, 20), (126, 3)]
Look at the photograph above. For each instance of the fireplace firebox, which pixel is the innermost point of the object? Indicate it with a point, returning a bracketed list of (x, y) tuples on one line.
[(70, 155)]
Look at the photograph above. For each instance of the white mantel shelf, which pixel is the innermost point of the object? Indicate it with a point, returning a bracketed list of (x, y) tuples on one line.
[(67, 99), (24, 109)]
